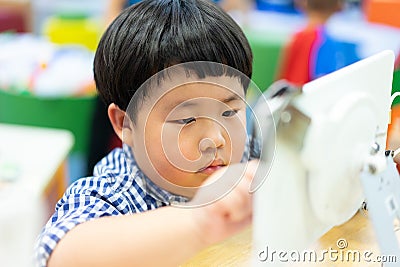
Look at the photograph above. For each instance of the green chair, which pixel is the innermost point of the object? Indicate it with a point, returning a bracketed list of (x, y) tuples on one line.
[(396, 86), (267, 49), (70, 113)]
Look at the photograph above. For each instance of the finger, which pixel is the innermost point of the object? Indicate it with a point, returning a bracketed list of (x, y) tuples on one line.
[(239, 202)]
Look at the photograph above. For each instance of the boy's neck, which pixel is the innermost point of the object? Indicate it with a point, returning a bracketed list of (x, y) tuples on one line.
[(316, 19)]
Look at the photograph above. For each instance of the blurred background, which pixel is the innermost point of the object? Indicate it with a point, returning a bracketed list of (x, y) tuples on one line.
[(46, 80)]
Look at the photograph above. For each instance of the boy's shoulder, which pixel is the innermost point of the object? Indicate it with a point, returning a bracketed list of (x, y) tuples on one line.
[(118, 181), (112, 164), (112, 182)]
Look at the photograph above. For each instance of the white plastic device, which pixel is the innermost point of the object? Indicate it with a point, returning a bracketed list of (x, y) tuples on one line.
[(323, 141)]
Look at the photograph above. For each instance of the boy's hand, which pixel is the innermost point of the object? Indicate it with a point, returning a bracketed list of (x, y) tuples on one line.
[(218, 214)]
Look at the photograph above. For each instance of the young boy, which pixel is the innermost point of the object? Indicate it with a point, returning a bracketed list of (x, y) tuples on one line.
[(181, 124)]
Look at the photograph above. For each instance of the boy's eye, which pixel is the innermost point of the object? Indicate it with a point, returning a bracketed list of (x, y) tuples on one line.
[(185, 121), (229, 113)]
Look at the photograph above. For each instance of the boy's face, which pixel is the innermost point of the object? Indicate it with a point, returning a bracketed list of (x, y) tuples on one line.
[(184, 134)]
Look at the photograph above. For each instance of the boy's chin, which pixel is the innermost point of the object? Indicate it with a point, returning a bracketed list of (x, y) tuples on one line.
[(185, 189), (187, 192)]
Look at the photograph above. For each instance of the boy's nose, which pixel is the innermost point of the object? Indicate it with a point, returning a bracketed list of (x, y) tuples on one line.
[(213, 135)]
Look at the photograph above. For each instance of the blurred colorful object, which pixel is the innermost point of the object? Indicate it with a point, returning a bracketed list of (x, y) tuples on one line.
[(396, 85), (15, 15), (312, 53), (73, 28), (383, 11), (11, 20), (48, 85), (33, 65), (285, 6)]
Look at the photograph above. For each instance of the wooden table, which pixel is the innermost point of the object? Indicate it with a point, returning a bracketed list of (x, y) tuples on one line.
[(357, 233)]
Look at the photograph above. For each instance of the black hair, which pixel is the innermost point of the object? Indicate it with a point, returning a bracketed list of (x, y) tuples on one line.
[(155, 34)]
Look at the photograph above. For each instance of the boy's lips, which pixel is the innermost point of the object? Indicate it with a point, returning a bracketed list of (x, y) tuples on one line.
[(214, 166)]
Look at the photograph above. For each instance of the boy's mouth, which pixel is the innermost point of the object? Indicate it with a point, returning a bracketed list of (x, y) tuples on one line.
[(213, 167)]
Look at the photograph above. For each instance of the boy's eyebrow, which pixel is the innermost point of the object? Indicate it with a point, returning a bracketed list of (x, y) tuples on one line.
[(231, 98), (225, 100)]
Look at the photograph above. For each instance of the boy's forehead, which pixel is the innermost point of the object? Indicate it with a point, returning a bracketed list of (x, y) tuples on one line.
[(204, 89), (189, 80), (219, 87), (198, 93)]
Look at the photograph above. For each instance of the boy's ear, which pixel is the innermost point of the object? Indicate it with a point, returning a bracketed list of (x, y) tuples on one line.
[(121, 128)]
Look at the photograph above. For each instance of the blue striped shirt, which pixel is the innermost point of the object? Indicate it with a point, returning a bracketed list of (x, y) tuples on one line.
[(117, 187)]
